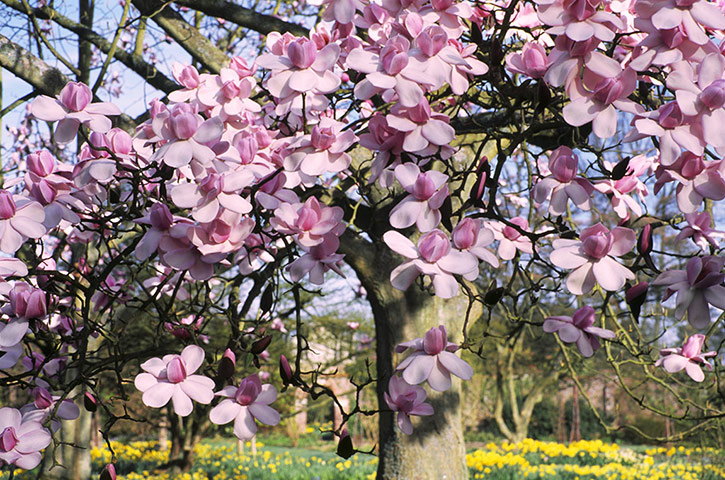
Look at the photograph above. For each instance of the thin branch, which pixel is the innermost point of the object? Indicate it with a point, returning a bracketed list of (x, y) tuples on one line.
[(135, 62), (244, 17), (188, 37)]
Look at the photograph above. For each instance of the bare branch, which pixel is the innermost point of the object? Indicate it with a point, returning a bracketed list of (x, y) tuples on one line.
[(40, 75), (244, 17), (132, 61), (196, 44)]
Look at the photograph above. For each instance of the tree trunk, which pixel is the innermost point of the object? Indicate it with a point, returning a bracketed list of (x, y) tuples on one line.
[(436, 449)]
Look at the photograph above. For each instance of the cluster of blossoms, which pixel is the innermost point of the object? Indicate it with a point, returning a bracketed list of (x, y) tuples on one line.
[(172, 378), (216, 181)]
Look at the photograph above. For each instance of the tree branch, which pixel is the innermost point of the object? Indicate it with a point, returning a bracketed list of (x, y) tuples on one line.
[(244, 17), (196, 44), (135, 62), (40, 75)]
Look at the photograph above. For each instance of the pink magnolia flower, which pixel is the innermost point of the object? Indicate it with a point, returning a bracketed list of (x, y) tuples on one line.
[(407, 400), (227, 95), (603, 91), (298, 66), (531, 61), (188, 77), (509, 239), (432, 359), (591, 258), (388, 143), (688, 358), (579, 20), (244, 404), (563, 184), (698, 227), (317, 260), (160, 219), (663, 47), (697, 179), (171, 378), (433, 256), (579, 329), (213, 194), (323, 151), (674, 130), (472, 236), (697, 287), (45, 404), (424, 130), (443, 58), (71, 108), (702, 95), (427, 192), (619, 190), (341, 11), (21, 440), (309, 221), (390, 72), (187, 134), (692, 15), (20, 219), (181, 249)]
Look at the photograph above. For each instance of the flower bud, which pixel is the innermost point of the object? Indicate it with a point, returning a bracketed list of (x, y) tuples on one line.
[(41, 163), (90, 403), (713, 96), (563, 164), (285, 371), (42, 398), (75, 96), (322, 138), (302, 53), (432, 40), (160, 216), (261, 345), (423, 188), (465, 235), (433, 246), (183, 122), (435, 340), (175, 370), (108, 472), (7, 205), (635, 297), (227, 364), (344, 446), (248, 391), (644, 242), (8, 439), (441, 4)]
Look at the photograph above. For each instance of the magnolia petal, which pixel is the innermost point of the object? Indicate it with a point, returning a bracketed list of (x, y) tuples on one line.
[(47, 109), (244, 426), (404, 424), (158, 395), (181, 402), (419, 369), (225, 412), (569, 333), (439, 378), (581, 280), (264, 413), (457, 366), (694, 371)]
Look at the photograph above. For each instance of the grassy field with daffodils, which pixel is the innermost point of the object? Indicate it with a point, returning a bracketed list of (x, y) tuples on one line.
[(530, 459)]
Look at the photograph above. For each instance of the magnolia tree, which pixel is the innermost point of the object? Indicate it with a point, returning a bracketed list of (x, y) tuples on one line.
[(366, 142)]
